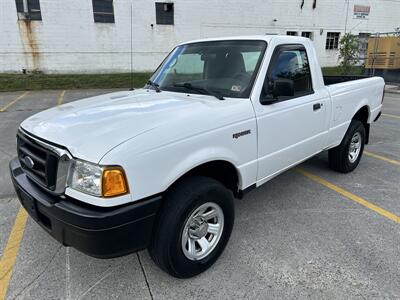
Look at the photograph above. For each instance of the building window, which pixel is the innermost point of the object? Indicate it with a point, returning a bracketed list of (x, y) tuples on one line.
[(28, 10), (332, 40), (294, 33), (165, 13), (363, 43), (307, 34), (103, 11)]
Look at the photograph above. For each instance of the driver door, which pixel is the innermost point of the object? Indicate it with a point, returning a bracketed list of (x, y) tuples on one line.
[(290, 128)]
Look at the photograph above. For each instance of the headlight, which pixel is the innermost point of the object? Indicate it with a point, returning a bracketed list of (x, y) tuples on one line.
[(86, 177), (100, 181)]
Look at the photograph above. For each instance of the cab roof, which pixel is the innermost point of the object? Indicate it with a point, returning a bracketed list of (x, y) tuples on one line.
[(267, 38)]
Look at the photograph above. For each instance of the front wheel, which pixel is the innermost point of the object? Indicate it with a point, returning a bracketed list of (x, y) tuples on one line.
[(193, 227), (345, 157)]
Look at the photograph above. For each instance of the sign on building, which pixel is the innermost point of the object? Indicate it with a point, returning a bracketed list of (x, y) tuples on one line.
[(361, 12)]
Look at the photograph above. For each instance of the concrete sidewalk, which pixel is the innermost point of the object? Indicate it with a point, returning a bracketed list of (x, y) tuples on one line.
[(392, 88)]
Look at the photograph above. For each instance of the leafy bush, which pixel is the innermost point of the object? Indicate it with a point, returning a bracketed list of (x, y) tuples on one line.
[(349, 50)]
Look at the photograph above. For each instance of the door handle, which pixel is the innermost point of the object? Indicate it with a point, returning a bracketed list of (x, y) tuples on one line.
[(317, 106)]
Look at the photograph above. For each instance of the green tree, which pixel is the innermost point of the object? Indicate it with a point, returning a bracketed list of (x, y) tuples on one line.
[(349, 49)]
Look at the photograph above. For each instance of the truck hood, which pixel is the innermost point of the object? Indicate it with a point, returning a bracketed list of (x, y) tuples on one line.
[(91, 127)]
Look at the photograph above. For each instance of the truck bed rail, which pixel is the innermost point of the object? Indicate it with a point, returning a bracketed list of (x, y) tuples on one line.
[(328, 80)]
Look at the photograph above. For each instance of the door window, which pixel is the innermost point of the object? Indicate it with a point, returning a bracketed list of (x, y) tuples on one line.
[(291, 64)]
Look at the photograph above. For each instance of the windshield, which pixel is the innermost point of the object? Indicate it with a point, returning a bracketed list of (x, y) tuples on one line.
[(223, 68)]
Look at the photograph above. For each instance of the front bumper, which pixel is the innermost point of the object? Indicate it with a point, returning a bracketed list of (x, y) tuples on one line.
[(96, 231)]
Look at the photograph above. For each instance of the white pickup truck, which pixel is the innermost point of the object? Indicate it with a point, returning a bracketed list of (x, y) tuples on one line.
[(159, 167)]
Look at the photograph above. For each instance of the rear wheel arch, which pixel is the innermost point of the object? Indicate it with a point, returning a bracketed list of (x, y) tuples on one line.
[(362, 115)]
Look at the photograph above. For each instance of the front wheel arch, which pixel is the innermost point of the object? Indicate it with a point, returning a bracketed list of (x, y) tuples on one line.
[(221, 170)]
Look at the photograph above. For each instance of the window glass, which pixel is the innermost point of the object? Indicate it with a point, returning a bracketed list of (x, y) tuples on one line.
[(186, 67), (103, 11), (363, 42), (293, 65), (34, 10), (224, 67), (250, 60), (31, 12), (307, 34), (20, 5), (165, 13), (332, 40)]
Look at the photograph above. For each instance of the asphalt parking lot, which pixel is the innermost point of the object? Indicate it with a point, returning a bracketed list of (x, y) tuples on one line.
[(308, 233)]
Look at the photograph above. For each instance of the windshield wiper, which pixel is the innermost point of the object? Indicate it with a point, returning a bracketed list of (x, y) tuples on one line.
[(203, 90), (156, 86)]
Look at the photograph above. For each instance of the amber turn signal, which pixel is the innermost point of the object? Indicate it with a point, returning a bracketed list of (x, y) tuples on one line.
[(114, 182)]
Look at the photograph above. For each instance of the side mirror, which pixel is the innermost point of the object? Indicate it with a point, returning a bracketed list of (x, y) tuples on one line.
[(278, 87), (283, 87)]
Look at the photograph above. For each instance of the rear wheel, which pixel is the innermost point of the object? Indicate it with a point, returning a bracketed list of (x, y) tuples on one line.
[(193, 227), (346, 157)]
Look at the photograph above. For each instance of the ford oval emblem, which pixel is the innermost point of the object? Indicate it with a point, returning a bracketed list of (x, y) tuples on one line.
[(29, 162)]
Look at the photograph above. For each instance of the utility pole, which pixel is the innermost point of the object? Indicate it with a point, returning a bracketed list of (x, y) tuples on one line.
[(131, 38), (347, 15)]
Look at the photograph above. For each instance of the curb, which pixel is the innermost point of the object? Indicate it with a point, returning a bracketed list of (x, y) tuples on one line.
[(392, 91)]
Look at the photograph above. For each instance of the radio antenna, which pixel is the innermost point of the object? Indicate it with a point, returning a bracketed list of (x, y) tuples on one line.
[(132, 88)]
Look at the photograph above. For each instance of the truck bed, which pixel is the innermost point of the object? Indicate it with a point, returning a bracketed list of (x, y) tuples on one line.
[(329, 80), (348, 97)]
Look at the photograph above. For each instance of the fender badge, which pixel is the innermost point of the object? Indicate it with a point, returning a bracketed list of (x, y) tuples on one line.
[(242, 133)]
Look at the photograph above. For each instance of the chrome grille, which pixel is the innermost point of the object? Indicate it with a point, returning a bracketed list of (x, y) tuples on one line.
[(40, 164)]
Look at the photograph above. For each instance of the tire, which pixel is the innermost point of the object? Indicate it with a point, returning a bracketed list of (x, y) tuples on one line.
[(340, 158), (179, 205)]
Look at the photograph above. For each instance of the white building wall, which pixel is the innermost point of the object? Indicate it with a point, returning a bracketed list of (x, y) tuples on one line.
[(68, 41)]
